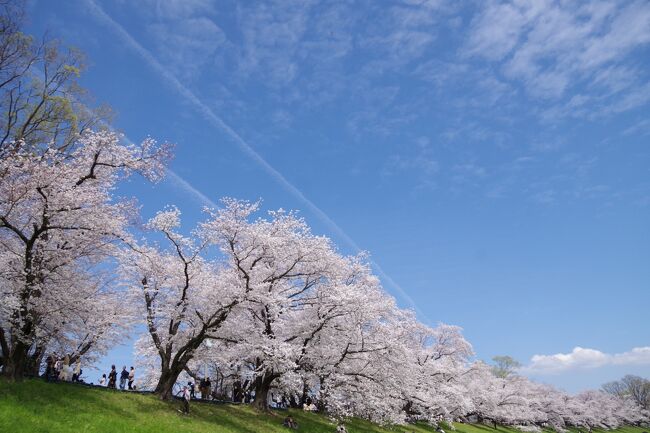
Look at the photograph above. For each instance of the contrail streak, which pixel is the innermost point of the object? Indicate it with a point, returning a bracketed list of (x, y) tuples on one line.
[(217, 121), (184, 184), (172, 176)]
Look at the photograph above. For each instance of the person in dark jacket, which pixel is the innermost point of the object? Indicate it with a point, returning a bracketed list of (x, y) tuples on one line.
[(112, 377), (49, 369), (207, 387), (124, 377)]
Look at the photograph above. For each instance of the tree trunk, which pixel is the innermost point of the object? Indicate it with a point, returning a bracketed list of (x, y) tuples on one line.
[(35, 360), (305, 393), (262, 387), (15, 362), (166, 382), (322, 398)]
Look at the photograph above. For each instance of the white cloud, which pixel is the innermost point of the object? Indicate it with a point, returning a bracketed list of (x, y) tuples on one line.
[(272, 36), (184, 33), (640, 128), (187, 44), (174, 9), (496, 31), (583, 358), (420, 163), (559, 49)]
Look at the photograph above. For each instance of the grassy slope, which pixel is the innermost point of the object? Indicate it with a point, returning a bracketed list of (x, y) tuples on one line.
[(34, 406)]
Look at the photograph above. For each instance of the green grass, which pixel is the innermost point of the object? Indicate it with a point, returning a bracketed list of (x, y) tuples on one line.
[(34, 406)]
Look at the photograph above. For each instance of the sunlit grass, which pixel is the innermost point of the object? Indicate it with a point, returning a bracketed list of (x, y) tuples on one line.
[(34, 406)]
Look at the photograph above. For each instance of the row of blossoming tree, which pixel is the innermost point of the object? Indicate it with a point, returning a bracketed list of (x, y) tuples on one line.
[(260, 297)]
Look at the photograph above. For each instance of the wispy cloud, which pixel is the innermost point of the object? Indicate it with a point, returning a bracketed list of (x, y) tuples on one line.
[(186, 37), (468, 172), (190, 46), (178, 8), (272, 39), (639, 128), (219, 123), (581, 358), (573, 52), (420, 163)]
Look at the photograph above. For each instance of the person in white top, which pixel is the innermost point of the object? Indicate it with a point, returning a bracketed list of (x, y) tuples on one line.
[(186, 396), (66, 372), (77, 372), (131, 378)]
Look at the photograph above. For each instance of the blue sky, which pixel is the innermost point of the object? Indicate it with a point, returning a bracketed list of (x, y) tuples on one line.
[(493, 157)]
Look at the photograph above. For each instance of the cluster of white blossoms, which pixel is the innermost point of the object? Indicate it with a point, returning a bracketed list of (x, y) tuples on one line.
[(274, 307), (60, 227)]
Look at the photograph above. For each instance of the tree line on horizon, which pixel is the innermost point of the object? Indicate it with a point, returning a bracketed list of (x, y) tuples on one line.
[(257, 297)]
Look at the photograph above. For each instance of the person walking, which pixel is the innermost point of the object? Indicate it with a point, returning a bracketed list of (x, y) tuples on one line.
[(185, 398), (112, 378), (66, 372), (131, 378), (49, 368), (205, 394), (76, 375), (124, 376), (58, 366), (202, 387)]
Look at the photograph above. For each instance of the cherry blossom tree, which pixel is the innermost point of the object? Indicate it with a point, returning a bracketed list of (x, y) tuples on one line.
[(183, 297), (353, 360), (440, 355), (315, 335), (59, 224), (299, 289), (364, 367), (518, 401)]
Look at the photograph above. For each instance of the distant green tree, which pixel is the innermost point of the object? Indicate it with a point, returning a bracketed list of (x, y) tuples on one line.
[(41, 102), (504, 366)]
